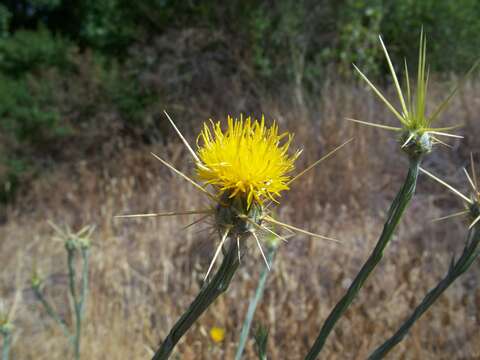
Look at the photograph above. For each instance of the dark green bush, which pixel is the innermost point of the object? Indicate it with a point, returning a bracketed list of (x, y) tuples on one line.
[(26, 51), (452, 28), (5, 16), (28, 111), (29, 122), (11, 170)]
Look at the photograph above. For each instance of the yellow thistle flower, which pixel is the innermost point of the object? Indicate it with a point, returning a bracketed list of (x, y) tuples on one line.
[(217, 334), (247, 164), (248, 159)]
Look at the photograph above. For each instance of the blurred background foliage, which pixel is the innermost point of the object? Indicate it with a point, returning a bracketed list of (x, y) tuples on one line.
[(83, 71)]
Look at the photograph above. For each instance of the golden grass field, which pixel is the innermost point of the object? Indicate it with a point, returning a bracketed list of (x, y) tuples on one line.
[(145, 272)]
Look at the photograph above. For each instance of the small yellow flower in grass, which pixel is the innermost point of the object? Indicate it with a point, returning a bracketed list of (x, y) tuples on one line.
[(417, 131), (247, 159), (217, 334), (248, 165)]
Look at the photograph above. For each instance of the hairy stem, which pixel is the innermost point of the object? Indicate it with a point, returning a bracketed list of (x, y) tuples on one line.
[(394, 215), (470, 253), (204, 299), (254, 303)]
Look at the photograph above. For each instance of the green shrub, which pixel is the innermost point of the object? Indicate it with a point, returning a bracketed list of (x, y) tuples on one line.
[(29, 121), (125, 93), (27, 50), (358, 29), (107, 25), (5, 17), (11, 170), (28, 111), (451, 26)]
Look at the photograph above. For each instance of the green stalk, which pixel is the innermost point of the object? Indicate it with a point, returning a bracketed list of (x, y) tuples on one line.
[(52, 313), (80, 306), (7, 340), (204, 299), (470, 253), (394, 215), (71, 249), (84, 288), (271, 251)]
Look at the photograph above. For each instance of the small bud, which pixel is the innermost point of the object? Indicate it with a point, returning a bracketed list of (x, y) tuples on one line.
[(84, 243), (416, 144), (71, 244), (6, 327)]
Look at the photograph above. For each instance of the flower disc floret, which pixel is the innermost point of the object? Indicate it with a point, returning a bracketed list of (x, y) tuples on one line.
[(248, 159)]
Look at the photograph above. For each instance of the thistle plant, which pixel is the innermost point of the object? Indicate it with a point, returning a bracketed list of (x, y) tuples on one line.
[(417, 137), (75, 244), (470, 252), (242, 169)]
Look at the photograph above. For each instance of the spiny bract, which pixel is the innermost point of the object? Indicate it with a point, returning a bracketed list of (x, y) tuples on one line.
[(247, 159), (416, 128)]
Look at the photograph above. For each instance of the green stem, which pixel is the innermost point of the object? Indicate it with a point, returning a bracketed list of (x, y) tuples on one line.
[(52, 313), (84, 289), (83, 296), (80, 305), (394, 214), (78, 323), (470, 253), (7, 339), (254, 303), (204, 299)]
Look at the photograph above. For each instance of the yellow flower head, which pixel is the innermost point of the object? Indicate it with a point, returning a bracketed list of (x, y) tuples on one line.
[(247, 163), (248, 159), (217, 334)]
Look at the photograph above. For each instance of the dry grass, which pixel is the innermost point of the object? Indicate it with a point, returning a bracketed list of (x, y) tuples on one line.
[(145, 272)]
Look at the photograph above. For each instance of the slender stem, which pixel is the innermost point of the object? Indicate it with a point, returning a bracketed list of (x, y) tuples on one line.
[(52, 313), (80, 306), (204, 299), (71, 272), (470, 253), (394, 214), (7, 339), (72, 279), (254, 302), (84, 288)]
